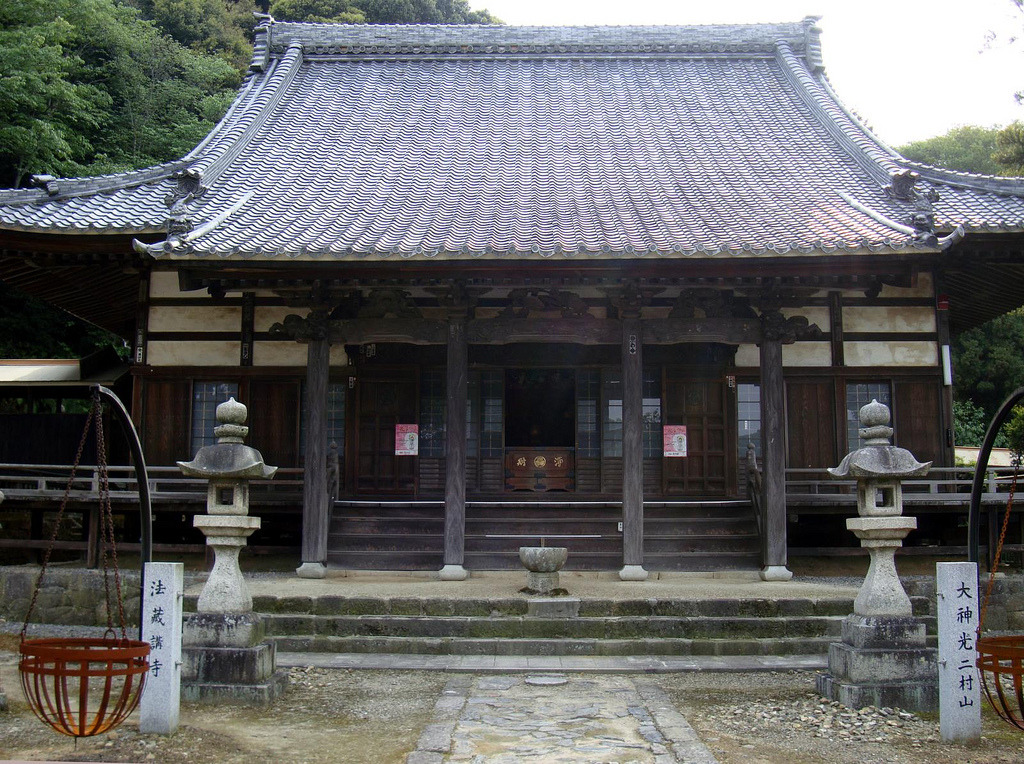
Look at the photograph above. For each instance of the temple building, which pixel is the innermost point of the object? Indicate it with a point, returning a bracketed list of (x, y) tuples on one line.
[(490, 285)]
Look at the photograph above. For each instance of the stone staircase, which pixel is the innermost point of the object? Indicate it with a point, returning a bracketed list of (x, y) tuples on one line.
[(648, 627)]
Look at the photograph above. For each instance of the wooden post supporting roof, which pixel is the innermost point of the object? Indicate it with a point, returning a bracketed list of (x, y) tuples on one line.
[(632, 452), (315, 509), (773, 445), (455, 452)]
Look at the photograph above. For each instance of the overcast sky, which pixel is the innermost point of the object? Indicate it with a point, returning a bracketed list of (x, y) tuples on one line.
[(911, 68)]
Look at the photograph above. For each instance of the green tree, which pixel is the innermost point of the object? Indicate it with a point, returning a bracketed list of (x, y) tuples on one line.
[(87, 86), (380, 11), (967, 148), (221, 28), (988, 362), (1010, 149), (971, 424), (47, 112)]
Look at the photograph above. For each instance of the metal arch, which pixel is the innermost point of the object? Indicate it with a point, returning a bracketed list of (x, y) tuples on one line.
[(141, 473), (974, 518)]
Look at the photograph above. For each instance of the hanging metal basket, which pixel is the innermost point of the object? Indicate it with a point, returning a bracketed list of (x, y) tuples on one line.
[(1001, 663), (83, 687)]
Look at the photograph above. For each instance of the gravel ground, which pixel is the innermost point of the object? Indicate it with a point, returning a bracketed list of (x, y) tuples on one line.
[(377, 716)]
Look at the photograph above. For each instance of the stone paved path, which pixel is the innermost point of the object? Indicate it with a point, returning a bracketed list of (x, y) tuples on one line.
[(559, 719)]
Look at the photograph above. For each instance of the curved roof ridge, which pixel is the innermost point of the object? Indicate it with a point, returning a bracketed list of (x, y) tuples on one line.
[(240, 130), (476, 38), (862, 145), (1006, 185), (51, 188)]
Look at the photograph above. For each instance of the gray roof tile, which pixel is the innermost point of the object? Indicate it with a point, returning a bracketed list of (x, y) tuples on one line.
[(470, 142)]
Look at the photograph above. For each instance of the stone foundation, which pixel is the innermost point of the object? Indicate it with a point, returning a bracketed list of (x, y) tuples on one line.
[(883, 662)]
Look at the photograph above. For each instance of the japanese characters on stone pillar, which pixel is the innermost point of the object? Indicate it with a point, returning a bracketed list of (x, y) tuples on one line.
[(161, 627), (956, 586)]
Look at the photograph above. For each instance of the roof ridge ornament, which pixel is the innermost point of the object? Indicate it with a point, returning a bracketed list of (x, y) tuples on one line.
[(46, 182), (812, 43), (903, 187), (261, 43)]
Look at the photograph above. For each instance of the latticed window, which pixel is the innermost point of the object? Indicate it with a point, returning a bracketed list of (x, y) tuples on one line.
[(588, 402), (748, 410), (432, 413), (860, 394), (652, 413), (611, 410), (206, 397), (492, 389)]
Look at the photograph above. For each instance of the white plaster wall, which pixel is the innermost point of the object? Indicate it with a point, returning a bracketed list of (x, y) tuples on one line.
[(165, 284), (748, 355), (807, 354), (213, 318), (923, 288), (265, 316), (888, 319), (221, 353), (891, 353), (291, 354)]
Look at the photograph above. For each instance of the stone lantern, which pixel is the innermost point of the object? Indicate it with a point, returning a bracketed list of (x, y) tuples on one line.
[(224, 656), (882, 660)]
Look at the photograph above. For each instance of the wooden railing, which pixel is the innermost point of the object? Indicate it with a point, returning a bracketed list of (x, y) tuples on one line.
[(942, 488), (40, 488)]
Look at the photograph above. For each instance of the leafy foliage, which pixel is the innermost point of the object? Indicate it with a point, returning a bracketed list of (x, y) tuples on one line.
[(970, 425), (967, 148), (90, 87), (1010, 149), (988, 362), (380, 11)]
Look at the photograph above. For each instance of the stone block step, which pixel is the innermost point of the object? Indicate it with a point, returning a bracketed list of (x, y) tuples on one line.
[(577, 647), (516, 606), (582, 628)]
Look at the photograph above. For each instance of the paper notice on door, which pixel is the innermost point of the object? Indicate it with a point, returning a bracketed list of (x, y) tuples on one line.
[(407, 440), (674, 439)]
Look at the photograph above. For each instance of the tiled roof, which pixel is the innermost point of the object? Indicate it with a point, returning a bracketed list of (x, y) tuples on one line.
[(374, 142)]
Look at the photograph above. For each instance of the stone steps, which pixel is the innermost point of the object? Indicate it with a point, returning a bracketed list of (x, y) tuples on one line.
[(603, 627), (562, 647)]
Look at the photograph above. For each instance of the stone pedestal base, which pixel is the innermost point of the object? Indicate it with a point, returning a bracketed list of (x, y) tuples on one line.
[(453, 573), (541, 582), (224, 660), (311, 570), (882, 661), (775, 573), (553, 607), (633, 573)]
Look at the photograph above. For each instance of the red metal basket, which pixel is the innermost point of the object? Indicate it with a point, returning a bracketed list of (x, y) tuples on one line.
[(57, 676), (1001, 664)]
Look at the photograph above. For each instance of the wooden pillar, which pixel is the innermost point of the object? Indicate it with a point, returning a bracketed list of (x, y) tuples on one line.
[(315, 509), (632, 452), (457, 379), (774, 456)]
